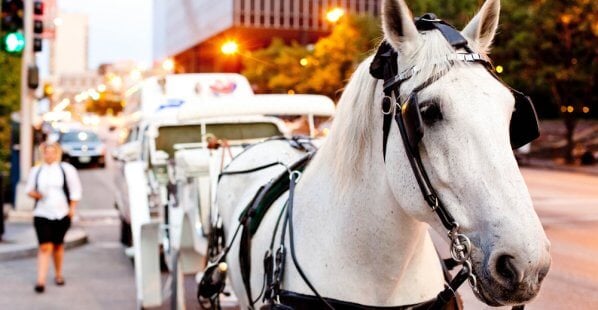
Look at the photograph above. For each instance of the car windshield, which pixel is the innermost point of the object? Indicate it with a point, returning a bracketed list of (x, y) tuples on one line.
[(171, 135), (79, 136)]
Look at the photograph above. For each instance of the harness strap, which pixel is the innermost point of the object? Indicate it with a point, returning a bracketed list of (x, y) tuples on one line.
[(299, 301), (429, 21), (258, 168), (387, 108), (289, 219)]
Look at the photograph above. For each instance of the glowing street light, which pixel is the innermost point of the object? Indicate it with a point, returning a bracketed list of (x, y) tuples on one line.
[(116, 82), (499, 69), (334, 15), (304, 62), (136, 74), (229, 48), (101, 88), (168, 65)]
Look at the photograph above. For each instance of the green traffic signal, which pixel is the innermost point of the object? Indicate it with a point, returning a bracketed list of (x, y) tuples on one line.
[(14, 42)]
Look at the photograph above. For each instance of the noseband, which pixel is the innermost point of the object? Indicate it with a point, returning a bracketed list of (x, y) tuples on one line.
[(408, 119)]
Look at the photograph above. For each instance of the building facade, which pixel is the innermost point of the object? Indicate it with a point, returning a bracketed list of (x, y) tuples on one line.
[(70, 45), (192, 31)]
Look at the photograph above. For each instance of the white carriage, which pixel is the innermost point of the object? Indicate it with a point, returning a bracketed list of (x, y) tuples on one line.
[(171, 167)]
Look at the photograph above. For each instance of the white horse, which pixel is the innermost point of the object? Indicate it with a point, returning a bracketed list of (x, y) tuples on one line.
[(360, 223)]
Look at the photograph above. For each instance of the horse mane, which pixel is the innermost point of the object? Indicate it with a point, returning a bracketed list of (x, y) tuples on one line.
[(356, 123)]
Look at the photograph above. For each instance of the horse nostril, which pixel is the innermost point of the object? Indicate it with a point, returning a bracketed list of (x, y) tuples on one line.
[(505, 267)]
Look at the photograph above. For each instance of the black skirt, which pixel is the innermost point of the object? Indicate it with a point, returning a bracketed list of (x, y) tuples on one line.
[(51, 231)]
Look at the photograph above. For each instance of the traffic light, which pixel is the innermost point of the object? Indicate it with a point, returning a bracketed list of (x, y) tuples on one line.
[(38, 25), (11, 24), (12, 16), (14, 42)]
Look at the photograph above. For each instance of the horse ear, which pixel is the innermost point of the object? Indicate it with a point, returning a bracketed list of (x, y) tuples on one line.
[(482, 28), (397, 23)]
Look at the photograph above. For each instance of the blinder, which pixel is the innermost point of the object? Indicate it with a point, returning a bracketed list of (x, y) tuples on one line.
[(523, 128), (412, 119)]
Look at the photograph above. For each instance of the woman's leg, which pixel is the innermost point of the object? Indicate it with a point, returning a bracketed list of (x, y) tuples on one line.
[(58, 256), (43, 261)]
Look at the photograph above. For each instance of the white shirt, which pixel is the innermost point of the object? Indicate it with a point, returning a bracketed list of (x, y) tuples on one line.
[(54, 204)]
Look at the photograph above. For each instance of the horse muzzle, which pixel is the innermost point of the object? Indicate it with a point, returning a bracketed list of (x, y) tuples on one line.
[(506, 279)]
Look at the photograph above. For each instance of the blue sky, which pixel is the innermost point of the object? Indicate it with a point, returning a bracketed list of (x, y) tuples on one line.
[(118, 29)]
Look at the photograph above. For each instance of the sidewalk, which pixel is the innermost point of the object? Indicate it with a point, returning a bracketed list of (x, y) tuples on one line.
[(19, 238), (553, 165)]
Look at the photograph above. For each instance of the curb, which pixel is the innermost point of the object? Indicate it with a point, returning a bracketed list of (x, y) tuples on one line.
[(590, 170), (75, 237)]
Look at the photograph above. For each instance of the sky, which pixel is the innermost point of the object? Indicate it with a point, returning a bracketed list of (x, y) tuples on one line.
[(118, 29)]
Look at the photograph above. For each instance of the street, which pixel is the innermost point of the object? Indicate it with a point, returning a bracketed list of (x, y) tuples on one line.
[(567, 204), (100, 276)]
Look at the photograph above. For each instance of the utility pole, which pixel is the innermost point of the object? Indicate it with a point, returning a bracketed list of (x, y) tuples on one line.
[(27, 97)]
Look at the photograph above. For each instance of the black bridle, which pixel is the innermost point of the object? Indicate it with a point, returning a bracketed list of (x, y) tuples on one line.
[(408, 118)]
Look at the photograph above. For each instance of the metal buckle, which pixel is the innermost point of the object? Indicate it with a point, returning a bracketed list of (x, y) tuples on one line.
[(435, 206), (460, 245), (296, 174), (391, 106)]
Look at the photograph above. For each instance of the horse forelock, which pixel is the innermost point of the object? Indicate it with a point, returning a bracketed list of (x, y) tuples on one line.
[(356, 123), (430, 57)]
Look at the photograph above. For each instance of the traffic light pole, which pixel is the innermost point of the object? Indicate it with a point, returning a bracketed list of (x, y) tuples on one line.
[(27, 96)]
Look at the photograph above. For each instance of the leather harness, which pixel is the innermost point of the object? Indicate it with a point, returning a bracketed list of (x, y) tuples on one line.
[(384, 66)]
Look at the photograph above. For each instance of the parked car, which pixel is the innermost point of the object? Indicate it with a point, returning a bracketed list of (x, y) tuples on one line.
[(82, 147)]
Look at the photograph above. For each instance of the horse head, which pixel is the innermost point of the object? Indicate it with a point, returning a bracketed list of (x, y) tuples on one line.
[(467, 153)]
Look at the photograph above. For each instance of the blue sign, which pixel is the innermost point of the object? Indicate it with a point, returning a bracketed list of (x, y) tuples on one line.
[(171, 103)]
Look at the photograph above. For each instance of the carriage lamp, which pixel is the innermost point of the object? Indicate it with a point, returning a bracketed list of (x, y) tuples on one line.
[(334, 15), (229, 48)]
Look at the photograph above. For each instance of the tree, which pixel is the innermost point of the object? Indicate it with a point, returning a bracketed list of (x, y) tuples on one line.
[(109, 103), (335, 57), (322, 69), (276, 68), (549, 47), (10, 82)]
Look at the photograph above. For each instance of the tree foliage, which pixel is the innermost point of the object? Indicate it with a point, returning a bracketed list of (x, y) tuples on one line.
[(10, 82), (547, 48), (322, 68)]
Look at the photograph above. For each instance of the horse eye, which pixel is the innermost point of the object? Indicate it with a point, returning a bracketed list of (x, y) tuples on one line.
[(430, 112)]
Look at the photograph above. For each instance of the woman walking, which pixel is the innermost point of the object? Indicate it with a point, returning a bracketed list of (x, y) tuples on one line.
[(56, 188)]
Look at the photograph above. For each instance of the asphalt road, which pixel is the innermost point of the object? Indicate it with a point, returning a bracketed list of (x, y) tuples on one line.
[(100, 276), (567, 204)]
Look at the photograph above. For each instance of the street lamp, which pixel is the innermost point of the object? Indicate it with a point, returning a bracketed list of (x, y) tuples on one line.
[(168, 65), (229, 47), (334, 15)]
